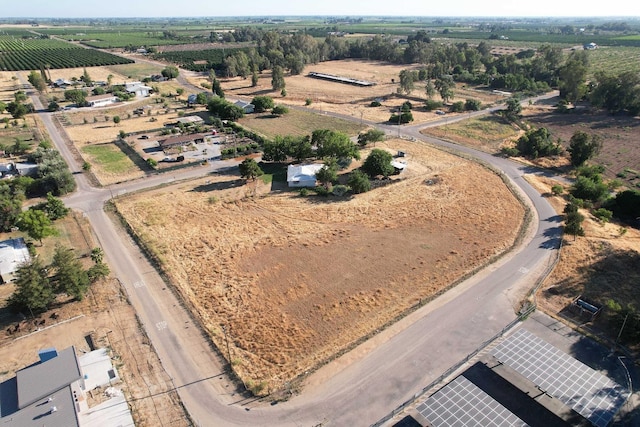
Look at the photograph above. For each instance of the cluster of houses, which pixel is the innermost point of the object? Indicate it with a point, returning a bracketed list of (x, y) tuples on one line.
[(135, 88)]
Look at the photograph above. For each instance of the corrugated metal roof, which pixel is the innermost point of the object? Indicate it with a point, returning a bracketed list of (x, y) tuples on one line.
[(60, 411), (39, 381)]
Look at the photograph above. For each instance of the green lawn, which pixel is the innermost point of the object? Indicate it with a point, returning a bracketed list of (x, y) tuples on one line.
[(297, 123), (109, 158)]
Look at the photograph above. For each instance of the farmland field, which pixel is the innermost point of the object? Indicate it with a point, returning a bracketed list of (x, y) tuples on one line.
[(299, 279), (34, 54)]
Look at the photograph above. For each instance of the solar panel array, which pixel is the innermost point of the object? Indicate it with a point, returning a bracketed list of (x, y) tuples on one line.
[(462, 403), (586, 391)]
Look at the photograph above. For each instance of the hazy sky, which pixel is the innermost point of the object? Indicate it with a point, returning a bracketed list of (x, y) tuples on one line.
[(181, 8)]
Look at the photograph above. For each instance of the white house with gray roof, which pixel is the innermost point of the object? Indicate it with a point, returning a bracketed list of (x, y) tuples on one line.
[(51, 392), (13, 252)]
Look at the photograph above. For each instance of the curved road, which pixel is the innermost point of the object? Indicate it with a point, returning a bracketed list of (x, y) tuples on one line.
[(360, 387)]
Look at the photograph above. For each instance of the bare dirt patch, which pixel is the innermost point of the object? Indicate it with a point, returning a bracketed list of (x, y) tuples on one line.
[(105, 316), (620, 138), (297, 279)]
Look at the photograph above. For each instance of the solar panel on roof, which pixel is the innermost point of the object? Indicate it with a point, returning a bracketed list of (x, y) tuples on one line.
[(586, 391), (462, 403)]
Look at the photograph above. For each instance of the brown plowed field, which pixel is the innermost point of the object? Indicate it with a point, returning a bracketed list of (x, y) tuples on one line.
[(298, 279)]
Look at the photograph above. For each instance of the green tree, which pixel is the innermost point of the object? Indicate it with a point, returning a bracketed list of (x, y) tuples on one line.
[(573, 221), (457, 107), (279, 110), (514, 108), (77, 96), (538, 143), (179, 91), (36, 224), (299, 147), (69, 276), (116, 119), (590, 188), (262, 103), (372, 135), (583, 147), (254, 79), (407, 81), (10, 206), (37, 81), (53, 207), (573, 75), (217, 88), (472, 105), (170, 72), (277, 78), (327, 175), (430, 89), (97, 255), (249, 169), (86, 78), (359, 182), (617, 93), (33, 291), (275, 150), (53, 106), (445, 85), (20, 96), (333, 144), (17, 109), (3, 107), (378, 162)]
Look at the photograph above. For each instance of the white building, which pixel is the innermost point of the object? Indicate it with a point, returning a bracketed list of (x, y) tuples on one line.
[(13, 252), (246, 107), (138, 89), (303, 175), (101, 100)]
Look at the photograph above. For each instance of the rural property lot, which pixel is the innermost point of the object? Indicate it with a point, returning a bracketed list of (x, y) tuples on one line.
[(295, 280)]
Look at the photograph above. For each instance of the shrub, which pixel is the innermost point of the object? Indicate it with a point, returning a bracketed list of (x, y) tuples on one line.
[(431, 105), (457, 107), (557, 189), (340, 190), (375, 104), (308, 101), (604, 215)]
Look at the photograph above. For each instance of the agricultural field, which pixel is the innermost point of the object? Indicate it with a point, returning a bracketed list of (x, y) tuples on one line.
[(34, 54), (126, 38), (299, 279), (196, 60), (614, 60)]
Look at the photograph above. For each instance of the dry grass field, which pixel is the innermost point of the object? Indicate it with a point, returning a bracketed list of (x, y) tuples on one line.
[(111, 322), (343, 98), (298, 279)]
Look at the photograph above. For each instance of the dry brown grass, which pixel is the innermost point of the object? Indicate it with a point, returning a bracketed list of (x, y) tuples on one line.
[(297, 279), (602, 265), (347, 99)]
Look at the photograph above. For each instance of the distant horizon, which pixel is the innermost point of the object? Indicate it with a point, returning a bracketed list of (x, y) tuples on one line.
[(167, 9)]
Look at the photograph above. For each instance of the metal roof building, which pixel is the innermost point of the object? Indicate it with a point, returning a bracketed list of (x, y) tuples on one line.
[(13, 252)]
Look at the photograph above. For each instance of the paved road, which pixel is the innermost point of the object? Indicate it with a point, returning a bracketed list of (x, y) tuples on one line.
[(356, 389)]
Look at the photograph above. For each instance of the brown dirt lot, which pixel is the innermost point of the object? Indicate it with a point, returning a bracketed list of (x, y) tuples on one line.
[(108, 318), (298, 279)]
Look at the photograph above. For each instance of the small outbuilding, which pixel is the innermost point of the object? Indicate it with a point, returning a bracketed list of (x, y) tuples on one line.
[(303, 175), (246, 107), (13, 252), (101, 100)]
